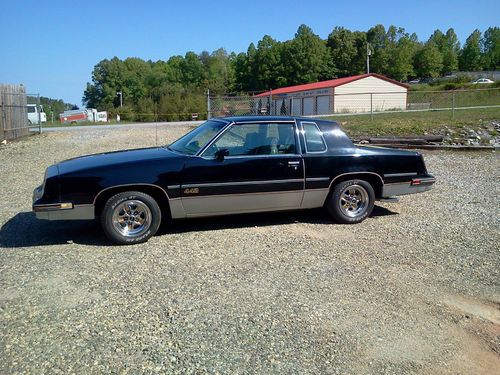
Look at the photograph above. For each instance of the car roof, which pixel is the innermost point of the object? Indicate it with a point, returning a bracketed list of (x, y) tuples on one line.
[(267, 118)]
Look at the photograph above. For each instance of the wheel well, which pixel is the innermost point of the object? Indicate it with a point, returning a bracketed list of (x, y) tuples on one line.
[(373, 179), (156, 192)]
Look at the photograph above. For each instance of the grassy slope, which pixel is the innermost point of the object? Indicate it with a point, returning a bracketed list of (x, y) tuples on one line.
[(416, 123)]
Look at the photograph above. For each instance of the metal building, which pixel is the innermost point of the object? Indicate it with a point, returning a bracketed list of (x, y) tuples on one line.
[(361, 93)]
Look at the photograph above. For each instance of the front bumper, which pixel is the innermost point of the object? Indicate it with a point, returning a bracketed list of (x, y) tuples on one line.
[(61, 211), (416, 185)]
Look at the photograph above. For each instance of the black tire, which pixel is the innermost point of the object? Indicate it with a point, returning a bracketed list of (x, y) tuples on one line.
[(130, 217), (341, 204)]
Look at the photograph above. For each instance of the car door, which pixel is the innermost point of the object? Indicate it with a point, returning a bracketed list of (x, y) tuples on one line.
[(262, 171)]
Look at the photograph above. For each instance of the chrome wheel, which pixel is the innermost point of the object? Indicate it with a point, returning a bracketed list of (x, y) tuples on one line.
[(354, 200), (131, 218)]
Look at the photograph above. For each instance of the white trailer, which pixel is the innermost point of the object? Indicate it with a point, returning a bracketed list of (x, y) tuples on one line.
[(36, 114), (83, 115)]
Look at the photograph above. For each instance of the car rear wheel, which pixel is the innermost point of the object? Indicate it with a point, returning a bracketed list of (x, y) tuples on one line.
[(351, 201), (130, 217)]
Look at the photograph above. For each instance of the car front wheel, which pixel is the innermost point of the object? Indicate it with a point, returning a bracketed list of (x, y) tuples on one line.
[(351, 201), (130, 217)]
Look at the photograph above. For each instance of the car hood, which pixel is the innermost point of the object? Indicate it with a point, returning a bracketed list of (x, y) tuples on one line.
[(110, 159)]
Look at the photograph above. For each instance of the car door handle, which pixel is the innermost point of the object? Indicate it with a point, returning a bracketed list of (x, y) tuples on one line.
[(294, 164)]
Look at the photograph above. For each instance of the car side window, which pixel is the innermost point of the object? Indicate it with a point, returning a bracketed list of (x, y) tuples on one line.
[(314, 139), (256, 139)]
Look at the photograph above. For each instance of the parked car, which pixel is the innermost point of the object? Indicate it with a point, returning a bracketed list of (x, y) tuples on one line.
[(483, 80), (229, 166), (36, 114), (427, 80), (414, 81)]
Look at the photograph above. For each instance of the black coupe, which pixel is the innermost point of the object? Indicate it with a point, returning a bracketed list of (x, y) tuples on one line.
[(229, 166)]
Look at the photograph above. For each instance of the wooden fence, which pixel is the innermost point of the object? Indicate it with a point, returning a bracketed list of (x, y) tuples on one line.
[(13, 112)]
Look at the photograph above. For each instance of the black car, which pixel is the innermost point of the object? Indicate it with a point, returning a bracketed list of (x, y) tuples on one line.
[(229, 166)]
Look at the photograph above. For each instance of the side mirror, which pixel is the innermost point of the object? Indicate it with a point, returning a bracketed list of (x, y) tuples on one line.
[(221, 154)]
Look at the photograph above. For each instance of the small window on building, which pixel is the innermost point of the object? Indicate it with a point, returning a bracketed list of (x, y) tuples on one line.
[(314, 138)]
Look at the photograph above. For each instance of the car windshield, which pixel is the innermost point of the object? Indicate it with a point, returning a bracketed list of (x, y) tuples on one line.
[(193, 141)]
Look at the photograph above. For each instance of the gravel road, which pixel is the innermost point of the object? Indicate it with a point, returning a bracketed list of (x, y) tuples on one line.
[(415, 289)]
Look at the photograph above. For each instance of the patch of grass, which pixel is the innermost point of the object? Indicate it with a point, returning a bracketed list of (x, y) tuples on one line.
[(83, 123), (415, 123)]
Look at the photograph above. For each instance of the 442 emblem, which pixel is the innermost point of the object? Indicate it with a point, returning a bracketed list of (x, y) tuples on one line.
[(191, 191)]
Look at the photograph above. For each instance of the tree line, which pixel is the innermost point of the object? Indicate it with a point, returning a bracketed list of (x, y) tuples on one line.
[(175, 88)]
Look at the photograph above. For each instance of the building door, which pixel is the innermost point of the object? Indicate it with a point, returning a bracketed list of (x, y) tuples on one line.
[(296, 105), (323, 105), (308, 106)]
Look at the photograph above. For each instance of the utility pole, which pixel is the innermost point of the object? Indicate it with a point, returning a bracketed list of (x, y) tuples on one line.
[(368, 54), (121, 98)]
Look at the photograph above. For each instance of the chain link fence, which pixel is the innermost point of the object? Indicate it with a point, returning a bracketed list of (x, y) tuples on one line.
[(353, 103)]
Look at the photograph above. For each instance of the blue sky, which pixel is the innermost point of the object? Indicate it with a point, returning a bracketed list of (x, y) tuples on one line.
[(52, 46)]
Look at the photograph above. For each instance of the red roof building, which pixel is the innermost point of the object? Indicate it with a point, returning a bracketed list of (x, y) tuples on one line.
[(360, 93)]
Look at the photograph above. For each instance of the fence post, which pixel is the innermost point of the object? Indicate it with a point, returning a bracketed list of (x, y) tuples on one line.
[(39, 114), (453, 105), (270, 102), (371, 106), (2, 122), (208, 105), (291, 106)]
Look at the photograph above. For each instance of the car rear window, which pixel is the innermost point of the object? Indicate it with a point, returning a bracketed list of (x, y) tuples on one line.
[(314, 139)]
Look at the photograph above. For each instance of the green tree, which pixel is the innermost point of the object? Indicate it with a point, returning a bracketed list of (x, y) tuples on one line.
[(219, 70), (491, 48), (192, 70), (107, 79), (377, 38), (175, 64), (428, 61), (451, 51), (343, 50), (252, 68), (146, 109), (400, 48), (449, 47), (470, 57), (269, 66), (133, 83), (307, 58), (241, 73), (358, 63)]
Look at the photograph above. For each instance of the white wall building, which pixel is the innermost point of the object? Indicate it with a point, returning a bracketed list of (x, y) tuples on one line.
[(358, 93)]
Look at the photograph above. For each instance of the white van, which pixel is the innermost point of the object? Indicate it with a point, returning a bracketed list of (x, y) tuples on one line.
[(33, 114)]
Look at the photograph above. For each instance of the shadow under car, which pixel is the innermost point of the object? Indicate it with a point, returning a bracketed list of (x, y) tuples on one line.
[(25, 230)]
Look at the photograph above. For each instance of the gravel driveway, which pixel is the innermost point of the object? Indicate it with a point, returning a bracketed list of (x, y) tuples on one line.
[(414, 289)]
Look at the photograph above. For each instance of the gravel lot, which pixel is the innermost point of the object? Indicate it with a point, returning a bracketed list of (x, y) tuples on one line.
[(414, 289)]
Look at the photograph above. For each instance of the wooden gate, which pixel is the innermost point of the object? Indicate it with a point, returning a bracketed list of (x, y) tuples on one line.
[(13, 112)]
